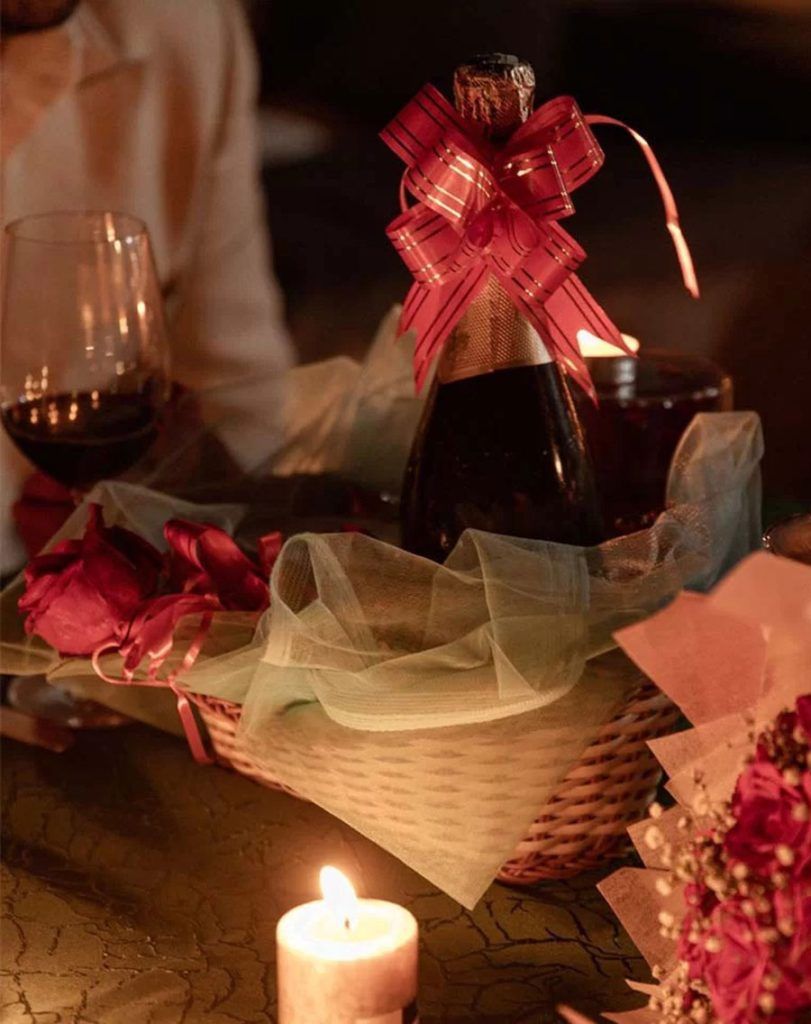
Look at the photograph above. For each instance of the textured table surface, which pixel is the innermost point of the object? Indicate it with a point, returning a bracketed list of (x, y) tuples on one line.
[(139, 888)]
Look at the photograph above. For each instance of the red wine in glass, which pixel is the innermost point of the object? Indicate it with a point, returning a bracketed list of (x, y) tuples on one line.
[(84, 353), (82, 437)]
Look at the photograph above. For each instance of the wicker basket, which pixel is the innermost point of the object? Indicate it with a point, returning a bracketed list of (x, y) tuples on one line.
[(581, 826)]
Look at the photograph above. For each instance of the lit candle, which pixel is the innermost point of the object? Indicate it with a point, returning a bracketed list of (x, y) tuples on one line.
[(344, 960)]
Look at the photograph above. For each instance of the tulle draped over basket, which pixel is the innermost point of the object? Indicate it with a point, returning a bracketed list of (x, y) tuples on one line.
[(435, 708)]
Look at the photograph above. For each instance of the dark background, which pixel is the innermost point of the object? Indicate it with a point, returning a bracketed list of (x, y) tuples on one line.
[(721, 90)]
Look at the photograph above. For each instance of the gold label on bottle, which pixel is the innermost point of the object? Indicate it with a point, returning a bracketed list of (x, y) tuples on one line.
[(492, 335)]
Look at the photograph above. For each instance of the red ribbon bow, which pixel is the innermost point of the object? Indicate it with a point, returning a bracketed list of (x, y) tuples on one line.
[(484, 209)]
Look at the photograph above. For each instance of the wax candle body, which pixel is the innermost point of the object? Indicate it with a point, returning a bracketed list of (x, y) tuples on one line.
[(331, 973)]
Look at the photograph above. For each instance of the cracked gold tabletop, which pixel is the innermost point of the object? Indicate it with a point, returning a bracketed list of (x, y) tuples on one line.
[(139, 888)]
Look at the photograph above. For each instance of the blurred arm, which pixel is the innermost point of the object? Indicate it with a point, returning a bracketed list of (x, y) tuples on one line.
[(229, 326)]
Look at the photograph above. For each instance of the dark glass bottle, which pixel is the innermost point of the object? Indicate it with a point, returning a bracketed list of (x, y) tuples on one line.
[(500, 446)]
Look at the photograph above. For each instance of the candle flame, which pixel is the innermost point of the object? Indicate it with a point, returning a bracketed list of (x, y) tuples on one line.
[(339, 896), (591, 345)]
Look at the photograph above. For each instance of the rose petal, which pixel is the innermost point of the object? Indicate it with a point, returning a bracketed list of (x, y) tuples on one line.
[(205, 560), (84, 592), (76, 620), (145, 559), (236, 579)]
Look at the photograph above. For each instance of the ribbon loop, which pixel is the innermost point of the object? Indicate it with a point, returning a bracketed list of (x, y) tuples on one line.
[(485, 210)]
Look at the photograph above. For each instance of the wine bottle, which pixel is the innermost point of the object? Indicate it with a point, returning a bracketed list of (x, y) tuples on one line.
[(499, 446)]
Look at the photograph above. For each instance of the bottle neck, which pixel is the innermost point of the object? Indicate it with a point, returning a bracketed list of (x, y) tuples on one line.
[(492, 335), (495, 92)]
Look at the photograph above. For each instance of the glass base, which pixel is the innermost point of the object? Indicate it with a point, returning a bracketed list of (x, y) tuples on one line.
[(34, 695)]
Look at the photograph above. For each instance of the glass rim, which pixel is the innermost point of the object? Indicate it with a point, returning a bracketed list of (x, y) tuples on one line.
[(125, 227), (715, 390), (623, 390), (771, 536)]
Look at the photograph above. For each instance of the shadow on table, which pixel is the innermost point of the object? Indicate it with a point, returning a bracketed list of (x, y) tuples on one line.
[(68, 876)]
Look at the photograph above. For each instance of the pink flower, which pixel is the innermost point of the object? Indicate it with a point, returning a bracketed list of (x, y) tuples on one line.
[(83, 593), (769, 812), (792, 908), (734, 972), (203, 559), (743, 958)]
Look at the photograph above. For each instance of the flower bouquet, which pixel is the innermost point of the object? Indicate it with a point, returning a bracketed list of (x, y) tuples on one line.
[(722, 911)]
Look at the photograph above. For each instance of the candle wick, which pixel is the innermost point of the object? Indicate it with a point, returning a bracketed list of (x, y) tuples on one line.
[(347, 924)]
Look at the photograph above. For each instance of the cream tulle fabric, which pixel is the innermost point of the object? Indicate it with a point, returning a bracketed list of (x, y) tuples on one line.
[(434, 707)]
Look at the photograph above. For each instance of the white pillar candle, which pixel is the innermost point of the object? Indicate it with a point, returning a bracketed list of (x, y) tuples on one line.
[(344, 960)]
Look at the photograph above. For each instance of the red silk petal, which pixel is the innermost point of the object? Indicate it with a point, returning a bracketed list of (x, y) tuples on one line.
[(205, 560), (239, 586), (182, 536)]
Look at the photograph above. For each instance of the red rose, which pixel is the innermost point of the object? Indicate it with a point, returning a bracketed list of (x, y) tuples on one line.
[(734, 973), (699, 901), (769, 812), (204, 560), (748, 966), (83, 593), (792, 908)]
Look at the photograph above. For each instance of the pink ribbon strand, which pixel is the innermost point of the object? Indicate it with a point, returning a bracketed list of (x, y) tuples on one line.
[(671, 211), (157, 657)]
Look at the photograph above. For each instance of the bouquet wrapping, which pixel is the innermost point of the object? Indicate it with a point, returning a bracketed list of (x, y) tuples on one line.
[(722, 909)]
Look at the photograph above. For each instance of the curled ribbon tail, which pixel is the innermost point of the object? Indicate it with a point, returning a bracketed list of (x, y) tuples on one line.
[(191, 728), (683, 254), (151, 636)]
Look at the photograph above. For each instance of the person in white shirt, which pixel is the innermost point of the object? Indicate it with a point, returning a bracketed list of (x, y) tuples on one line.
[(148, 107)]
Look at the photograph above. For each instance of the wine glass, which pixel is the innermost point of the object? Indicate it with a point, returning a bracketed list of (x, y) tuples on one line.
[(84, 372), (84, 355)]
